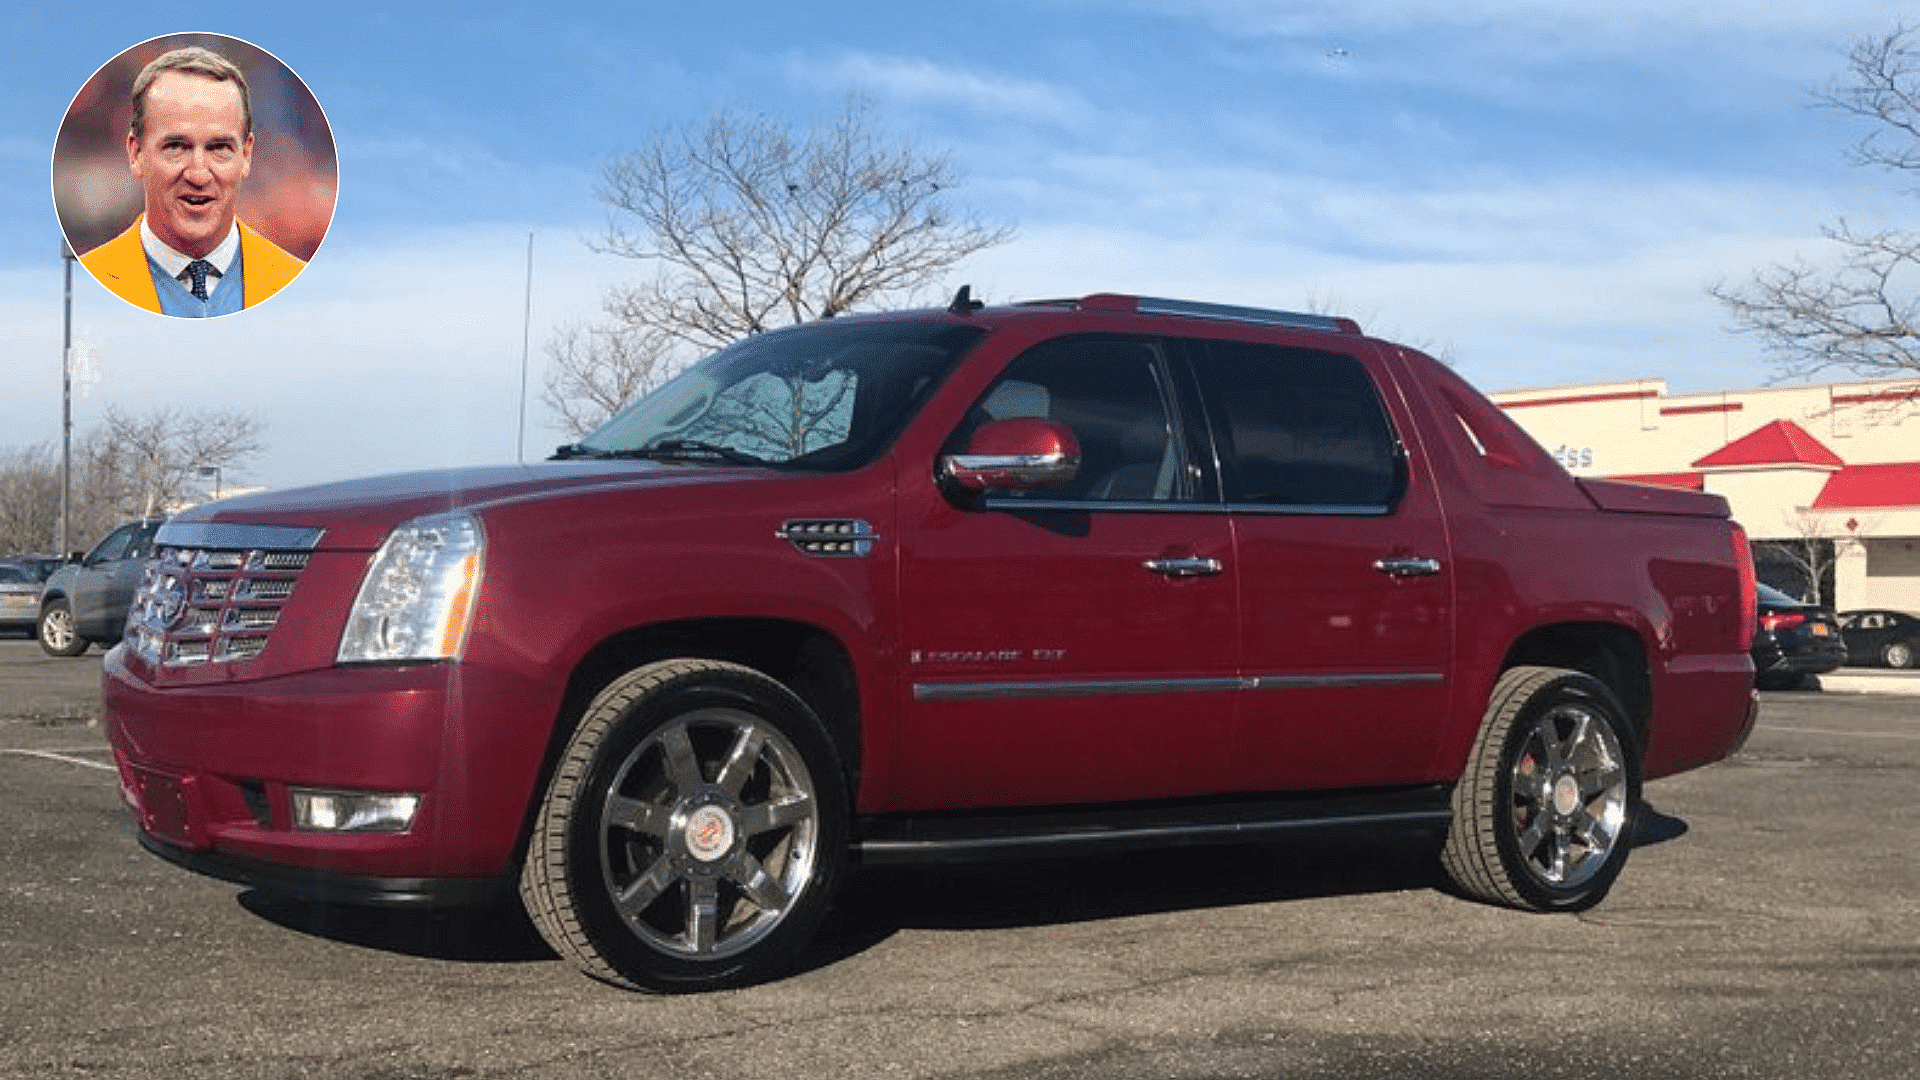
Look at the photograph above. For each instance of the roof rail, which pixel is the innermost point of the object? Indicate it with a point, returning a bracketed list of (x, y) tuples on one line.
[(1154, 305)]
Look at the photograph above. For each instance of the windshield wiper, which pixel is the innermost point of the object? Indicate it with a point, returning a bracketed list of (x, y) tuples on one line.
[(684, 450)]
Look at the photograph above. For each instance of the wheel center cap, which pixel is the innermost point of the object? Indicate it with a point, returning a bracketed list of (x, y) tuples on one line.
[(1566, 795), (709, 833)]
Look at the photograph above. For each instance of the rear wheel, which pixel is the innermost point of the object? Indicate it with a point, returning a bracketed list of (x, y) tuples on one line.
[(58, 634), (1543, 816), (1897, 654), (693, 833)]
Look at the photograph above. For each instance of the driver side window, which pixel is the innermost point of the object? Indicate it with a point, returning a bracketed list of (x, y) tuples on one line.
[(115, 546), (1111, 392)]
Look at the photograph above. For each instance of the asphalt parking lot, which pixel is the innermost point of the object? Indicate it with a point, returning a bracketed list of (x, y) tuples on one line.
[(1768, 926)]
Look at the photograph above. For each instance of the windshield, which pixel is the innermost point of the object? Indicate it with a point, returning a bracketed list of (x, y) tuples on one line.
[(821, 396)]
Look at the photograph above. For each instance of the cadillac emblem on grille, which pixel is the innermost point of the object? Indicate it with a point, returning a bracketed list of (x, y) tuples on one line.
[(206, 606)]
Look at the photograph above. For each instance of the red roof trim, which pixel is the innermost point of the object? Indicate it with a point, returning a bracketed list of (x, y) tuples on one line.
[(1782, 442), (1579, 399), (1911, 393), (1684, 410), (1878, 486)]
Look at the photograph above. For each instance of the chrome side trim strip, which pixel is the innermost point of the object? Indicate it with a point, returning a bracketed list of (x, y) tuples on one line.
[(1080, 506), (985, 691), (1322, 682), (990, 691), (1169, 506), (229, 537), (1312, 509)]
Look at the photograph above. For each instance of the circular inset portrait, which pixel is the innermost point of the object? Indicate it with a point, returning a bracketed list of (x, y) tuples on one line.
[(194, 175)]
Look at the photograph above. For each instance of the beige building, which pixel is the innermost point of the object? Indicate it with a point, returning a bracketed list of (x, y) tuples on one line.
[(1828, 474)]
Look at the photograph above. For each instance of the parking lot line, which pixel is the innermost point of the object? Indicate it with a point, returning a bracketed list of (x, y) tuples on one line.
[(52, 756), (1825, 731)]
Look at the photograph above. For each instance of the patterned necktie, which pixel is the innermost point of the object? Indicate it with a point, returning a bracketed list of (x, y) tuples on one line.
[(198, 270)]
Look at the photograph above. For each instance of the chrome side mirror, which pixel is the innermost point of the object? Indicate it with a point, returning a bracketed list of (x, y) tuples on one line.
[(1015, 455)]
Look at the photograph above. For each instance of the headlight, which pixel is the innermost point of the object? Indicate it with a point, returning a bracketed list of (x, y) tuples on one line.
[(417, 598)]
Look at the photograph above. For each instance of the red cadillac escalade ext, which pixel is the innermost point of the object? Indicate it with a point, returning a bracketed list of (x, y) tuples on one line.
[(938, 584)]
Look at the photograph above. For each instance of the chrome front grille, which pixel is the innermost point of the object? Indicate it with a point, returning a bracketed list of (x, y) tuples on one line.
[(210, 606)]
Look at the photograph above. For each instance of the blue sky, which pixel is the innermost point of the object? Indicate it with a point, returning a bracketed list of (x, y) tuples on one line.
[(1537, 191)]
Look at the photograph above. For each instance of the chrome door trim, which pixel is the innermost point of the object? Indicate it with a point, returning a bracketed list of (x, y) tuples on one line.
[(1324, 682), (987, 691), (1040, 688)]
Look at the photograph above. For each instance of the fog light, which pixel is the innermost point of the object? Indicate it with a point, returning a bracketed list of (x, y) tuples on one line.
[(353, 811)]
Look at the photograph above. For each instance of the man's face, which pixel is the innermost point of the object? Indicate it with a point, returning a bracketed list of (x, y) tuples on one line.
[(191, 160)]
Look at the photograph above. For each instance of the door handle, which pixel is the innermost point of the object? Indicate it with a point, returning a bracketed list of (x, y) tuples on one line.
[(1406, 566), (1184, 567)]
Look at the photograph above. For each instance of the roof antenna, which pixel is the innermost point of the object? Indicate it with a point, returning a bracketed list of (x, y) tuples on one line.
[(963, 301)]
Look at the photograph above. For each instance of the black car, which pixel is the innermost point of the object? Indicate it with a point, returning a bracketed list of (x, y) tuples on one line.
[(87, 602), (1881, 637), (1794, 640)]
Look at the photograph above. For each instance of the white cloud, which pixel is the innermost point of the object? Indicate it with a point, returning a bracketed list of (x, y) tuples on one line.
[(923, 81), (1571, 20)]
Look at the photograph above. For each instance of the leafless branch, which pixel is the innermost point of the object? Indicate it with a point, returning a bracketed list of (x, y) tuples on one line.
[(1860, 311), (594, 372), (750, 225)]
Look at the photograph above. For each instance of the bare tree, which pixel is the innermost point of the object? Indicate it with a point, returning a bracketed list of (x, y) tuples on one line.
[(750, 225), (128, 466), (29, 499), (595, 371), (1807, 554), (145, 465), (1861, 312)]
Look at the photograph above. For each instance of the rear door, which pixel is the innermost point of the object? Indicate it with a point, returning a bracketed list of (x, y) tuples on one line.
[(1345, 592)]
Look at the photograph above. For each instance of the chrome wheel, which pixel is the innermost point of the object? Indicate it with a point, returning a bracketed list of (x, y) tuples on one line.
[(57, 633), (1543, 813), (693, 832), (710, 830), (1568, 792), (1897, 654)]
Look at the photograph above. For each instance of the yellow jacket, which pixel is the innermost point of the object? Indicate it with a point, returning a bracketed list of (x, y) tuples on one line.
[(121, 265)]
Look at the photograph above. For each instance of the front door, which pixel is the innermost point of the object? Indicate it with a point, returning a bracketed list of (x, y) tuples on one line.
[(1073, 644)]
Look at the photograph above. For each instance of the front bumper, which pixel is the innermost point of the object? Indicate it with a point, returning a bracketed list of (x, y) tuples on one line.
[(208, 771), (333, 887)]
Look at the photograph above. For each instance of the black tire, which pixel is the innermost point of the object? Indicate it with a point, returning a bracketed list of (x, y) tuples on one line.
[(1897, 654), (59, 635), (694, 831), (1543, 817)]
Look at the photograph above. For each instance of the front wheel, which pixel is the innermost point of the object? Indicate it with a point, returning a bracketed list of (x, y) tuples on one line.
[(1543, 816), (58, 634), (693, 832)]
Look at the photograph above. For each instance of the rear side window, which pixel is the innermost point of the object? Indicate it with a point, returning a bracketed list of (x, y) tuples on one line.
[(1299, 429)]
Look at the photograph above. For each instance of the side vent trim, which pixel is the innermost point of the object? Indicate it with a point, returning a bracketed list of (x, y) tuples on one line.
[(829, 538)]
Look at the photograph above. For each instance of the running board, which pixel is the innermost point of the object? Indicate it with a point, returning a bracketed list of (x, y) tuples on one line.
[(1053, 831)]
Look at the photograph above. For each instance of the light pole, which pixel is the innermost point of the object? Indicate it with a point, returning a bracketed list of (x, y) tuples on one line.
[(213, 471), (66, 407)]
